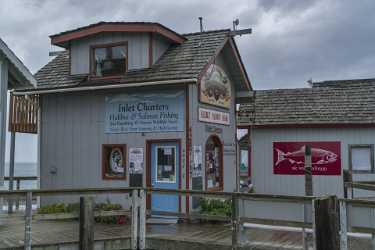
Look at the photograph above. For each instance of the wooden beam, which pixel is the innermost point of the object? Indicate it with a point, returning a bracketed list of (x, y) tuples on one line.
[(3, 111), (28, 215), (86, 223), (327, 223)]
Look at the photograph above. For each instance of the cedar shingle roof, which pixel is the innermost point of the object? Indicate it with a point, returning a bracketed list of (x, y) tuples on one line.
[(184, 61), (329, 102)]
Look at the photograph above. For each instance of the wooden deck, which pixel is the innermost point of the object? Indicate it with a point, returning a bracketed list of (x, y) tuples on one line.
[(64, 235)]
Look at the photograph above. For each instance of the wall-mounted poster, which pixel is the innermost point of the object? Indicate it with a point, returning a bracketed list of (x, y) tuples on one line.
[(145, 112), (289, 158), (114, 161), (198, 159), (135, 160), (215, 87)]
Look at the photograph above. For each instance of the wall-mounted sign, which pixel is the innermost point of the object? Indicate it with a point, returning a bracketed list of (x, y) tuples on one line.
[(113, 161), (136, 160), (213, 129), (215, 87), (213, 116), (198, 158), (289, 158), (156, 112)]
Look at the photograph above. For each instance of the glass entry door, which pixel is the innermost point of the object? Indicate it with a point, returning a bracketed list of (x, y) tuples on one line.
[(165, 167)]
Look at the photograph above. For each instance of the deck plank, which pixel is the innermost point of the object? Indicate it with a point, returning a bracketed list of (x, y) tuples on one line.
[(66, 232)]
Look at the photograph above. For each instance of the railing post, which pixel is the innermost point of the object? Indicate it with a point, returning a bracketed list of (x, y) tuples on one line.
[(18, 199), (235, 221), (343, 226), (28, 214), (308, 192), (327, 223), (11, 169), (86, 223), (134, 224), (142, 219)]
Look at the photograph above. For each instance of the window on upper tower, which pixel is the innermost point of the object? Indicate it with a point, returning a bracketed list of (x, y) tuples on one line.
[(109, 59)]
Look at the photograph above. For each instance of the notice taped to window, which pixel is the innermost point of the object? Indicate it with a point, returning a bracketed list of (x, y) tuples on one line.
[(136, 113)]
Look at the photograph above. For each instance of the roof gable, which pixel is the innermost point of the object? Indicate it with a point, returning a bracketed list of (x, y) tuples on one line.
[(62, 39), (20, 76), (179, 62)]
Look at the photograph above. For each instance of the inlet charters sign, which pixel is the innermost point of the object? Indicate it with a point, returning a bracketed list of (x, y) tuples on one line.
[(137, 113)]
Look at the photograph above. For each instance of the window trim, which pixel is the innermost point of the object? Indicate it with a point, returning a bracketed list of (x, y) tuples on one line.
[(221, 167), (371, 147), (107, 45)]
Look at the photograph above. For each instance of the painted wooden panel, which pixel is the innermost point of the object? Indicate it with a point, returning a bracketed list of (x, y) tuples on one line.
[(138, 45), (160, 45), (262, 171), (227, 136), (73, 134)]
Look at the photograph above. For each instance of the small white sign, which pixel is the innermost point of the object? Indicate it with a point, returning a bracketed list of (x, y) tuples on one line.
[(136, 160), (197, 167), (213, 116)]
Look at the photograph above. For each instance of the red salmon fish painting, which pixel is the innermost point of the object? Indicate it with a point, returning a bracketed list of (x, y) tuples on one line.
[(318, 156), (289, 158)]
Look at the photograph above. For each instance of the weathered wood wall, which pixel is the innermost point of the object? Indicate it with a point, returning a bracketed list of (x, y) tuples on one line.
[(262, 161)]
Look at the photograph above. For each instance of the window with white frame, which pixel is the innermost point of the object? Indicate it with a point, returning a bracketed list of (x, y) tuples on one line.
[(361, 158)]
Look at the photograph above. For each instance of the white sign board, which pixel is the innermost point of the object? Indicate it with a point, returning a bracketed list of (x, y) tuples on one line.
[(136, 160), (198, 158), (145, 112), (213, 116)]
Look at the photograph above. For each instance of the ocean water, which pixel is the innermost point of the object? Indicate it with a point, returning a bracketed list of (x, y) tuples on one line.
[(23, 169)]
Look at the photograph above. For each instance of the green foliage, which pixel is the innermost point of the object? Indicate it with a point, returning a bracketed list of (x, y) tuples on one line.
[(216, 207), (74, 207)]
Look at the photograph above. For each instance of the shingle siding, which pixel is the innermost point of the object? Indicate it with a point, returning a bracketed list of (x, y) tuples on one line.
[(330, 102), (182, 61)]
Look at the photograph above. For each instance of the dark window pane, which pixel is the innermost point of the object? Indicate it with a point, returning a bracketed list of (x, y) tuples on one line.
[(110, 61)]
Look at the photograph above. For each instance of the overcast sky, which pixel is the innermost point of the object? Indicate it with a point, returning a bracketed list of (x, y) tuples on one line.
[(292, 40)]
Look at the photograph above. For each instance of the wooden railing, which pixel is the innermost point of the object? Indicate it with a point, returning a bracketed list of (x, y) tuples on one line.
[(18, 180), (323, 211)]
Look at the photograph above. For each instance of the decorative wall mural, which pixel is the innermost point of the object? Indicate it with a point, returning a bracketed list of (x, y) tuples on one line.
[(289, 158), (215, 88)]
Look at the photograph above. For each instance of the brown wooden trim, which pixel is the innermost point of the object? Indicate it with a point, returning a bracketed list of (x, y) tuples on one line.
[(150, 49), (106, 45), (188, 141), (70, 60), (148, 167), (371, 147), (105, 162), (221, 184), (61, 39)]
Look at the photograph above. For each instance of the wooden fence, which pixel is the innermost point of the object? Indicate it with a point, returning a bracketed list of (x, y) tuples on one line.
[(341, 215)]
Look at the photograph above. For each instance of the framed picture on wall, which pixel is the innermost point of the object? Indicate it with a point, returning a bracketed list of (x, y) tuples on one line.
[(114, 161)]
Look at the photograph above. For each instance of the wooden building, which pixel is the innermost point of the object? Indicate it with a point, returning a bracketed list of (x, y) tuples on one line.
[(13, 75), (139, 104), (336, 118)]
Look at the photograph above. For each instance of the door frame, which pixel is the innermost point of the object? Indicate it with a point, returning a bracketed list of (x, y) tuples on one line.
[(148, 167)]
